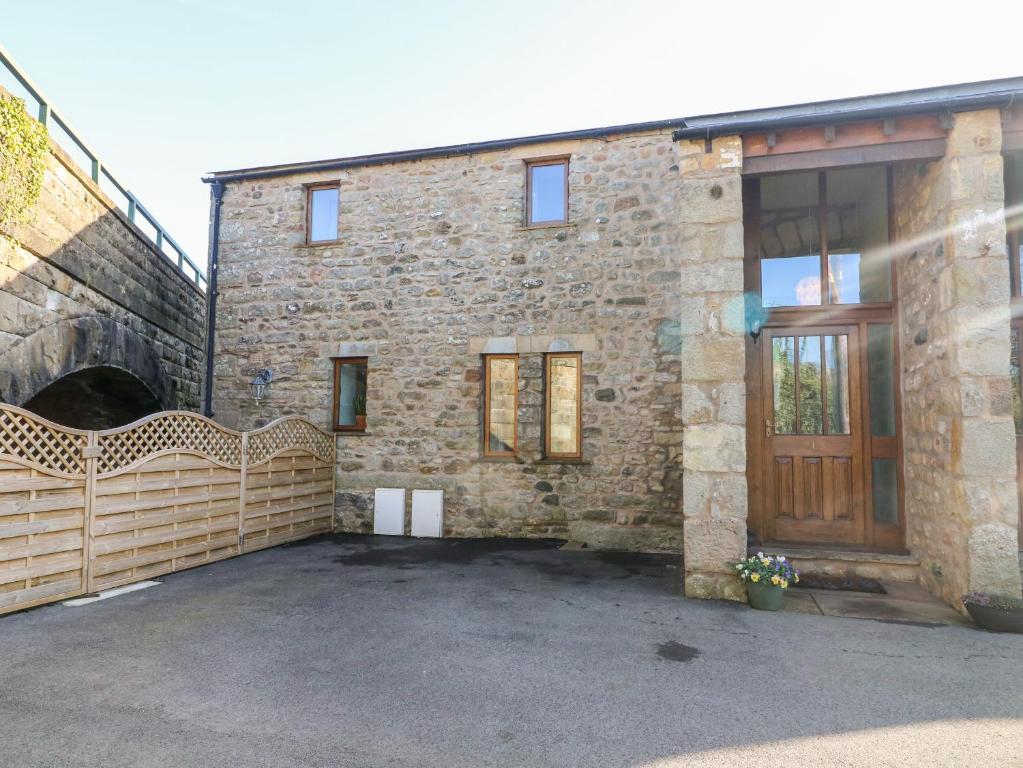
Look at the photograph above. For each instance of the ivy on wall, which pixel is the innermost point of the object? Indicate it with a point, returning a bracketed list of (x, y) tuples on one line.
[(23, 148)]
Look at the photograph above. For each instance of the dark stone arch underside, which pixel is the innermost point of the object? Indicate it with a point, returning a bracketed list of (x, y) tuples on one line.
[(95, 398), (75, 346)]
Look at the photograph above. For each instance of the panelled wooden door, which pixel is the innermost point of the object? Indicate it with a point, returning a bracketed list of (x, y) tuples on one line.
[(813, 435)]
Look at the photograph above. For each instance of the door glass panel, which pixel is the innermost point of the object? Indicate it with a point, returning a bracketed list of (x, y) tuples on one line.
[(836, 384), (881, 375), (790, 269), (784, 374), (1017, 384), (811, 414), (859, 258), (885, 487)]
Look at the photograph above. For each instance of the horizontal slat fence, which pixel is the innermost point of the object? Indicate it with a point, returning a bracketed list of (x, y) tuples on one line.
[(86, 511)]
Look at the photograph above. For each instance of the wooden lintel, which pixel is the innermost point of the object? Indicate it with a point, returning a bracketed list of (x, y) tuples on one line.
[(843, 135), (928, 149)]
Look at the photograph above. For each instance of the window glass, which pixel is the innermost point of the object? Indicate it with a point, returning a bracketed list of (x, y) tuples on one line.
[(885, 491), (811, 413), (323, 214), (790, 268), (859, 259), (784, 375), (1017, 385), (350, 393), (547, 193), (501, 404), (564, 396), (881, 374), (836, 384)]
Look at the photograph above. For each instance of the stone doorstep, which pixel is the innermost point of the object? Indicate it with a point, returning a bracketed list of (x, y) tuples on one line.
[(907, 603), (844, 563)]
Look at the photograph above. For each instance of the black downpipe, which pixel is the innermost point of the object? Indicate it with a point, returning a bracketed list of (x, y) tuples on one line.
[(217, 192)]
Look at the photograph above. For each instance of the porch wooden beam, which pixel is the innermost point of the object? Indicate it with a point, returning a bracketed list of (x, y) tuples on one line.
[(929, 149)]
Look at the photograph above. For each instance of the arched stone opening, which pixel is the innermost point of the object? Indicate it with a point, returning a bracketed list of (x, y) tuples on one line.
[(63, 349), (95, 398)]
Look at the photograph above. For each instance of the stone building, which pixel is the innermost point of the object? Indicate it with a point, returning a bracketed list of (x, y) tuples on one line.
[(791, 325)]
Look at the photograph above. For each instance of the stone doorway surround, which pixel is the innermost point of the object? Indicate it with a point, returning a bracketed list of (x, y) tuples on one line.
[(952, 273)]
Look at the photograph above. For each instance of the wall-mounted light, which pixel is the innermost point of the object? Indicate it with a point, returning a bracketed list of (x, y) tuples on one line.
[(259, 387)]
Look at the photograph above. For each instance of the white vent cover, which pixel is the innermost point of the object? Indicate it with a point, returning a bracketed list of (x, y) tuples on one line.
[(389, 511), (428, 513)]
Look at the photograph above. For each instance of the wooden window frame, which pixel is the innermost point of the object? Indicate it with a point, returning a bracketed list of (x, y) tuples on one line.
[(487, 452), (335, 408), (537, 163), (548, 453), (309, 190)]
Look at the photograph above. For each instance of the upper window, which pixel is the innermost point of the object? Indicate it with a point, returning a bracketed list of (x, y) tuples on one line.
[(547, 191), (563, 418), (322, 213), (824, 238), (350, 375), (500, 404)]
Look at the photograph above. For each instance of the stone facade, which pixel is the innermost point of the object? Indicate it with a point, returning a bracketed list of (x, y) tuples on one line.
[(433, 261), (959, 442), (81, 286), (433, 268)]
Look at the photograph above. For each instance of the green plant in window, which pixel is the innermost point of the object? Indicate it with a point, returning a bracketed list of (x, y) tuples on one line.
[(23, 147), (359, 404)]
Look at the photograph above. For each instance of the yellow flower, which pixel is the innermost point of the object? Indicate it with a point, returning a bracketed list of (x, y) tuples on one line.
[(784, 584), (755, 577), (775, 580)]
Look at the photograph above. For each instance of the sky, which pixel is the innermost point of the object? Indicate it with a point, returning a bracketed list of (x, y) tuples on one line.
[(167, 90)]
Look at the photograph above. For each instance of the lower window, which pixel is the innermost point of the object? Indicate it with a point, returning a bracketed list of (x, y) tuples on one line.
[(563, 396), (501, 404), (350, 393)]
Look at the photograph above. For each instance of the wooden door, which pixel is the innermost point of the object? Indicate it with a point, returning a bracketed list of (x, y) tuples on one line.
[(812, 456)]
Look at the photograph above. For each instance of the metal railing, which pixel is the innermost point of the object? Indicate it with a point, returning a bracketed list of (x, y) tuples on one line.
[(134, 209)]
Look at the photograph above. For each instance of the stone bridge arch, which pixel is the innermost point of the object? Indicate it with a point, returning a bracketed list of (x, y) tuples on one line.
[(67, 348)]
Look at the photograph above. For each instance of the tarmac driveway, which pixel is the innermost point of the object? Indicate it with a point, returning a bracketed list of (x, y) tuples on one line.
[(365, 651)]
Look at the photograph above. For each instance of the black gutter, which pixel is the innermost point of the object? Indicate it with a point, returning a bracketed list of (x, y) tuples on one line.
[(435, 152), (833, 112), (217, 195)]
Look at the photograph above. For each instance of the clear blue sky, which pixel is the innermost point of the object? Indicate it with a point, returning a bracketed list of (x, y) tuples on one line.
[(169, 89)]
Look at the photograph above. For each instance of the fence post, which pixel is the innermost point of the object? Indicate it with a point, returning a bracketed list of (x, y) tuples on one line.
[(90, 453), (241, 492)]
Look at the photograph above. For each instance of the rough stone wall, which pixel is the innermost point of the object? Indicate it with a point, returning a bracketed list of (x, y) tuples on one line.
[(80, 258), (434, 261), (713, 366), (959, 441)]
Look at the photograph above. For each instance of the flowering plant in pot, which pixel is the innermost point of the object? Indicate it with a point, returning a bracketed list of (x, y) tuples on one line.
[(767, 577), (998, 613)]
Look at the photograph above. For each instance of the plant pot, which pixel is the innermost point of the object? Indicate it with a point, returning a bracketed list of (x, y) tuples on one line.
[(765, 597), (360, 421), (996, 619)]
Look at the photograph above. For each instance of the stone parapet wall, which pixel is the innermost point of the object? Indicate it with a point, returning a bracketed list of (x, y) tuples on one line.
[(432, 261), (78, 258), (959, 443)]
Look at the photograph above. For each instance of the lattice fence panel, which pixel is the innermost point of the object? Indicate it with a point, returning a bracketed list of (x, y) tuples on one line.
[(290, 433), (42, 517), (169, 513), (289, 497), (172, 431), (26, 437)]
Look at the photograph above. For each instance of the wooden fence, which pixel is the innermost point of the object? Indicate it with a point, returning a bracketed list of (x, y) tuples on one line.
[(82, 511)]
